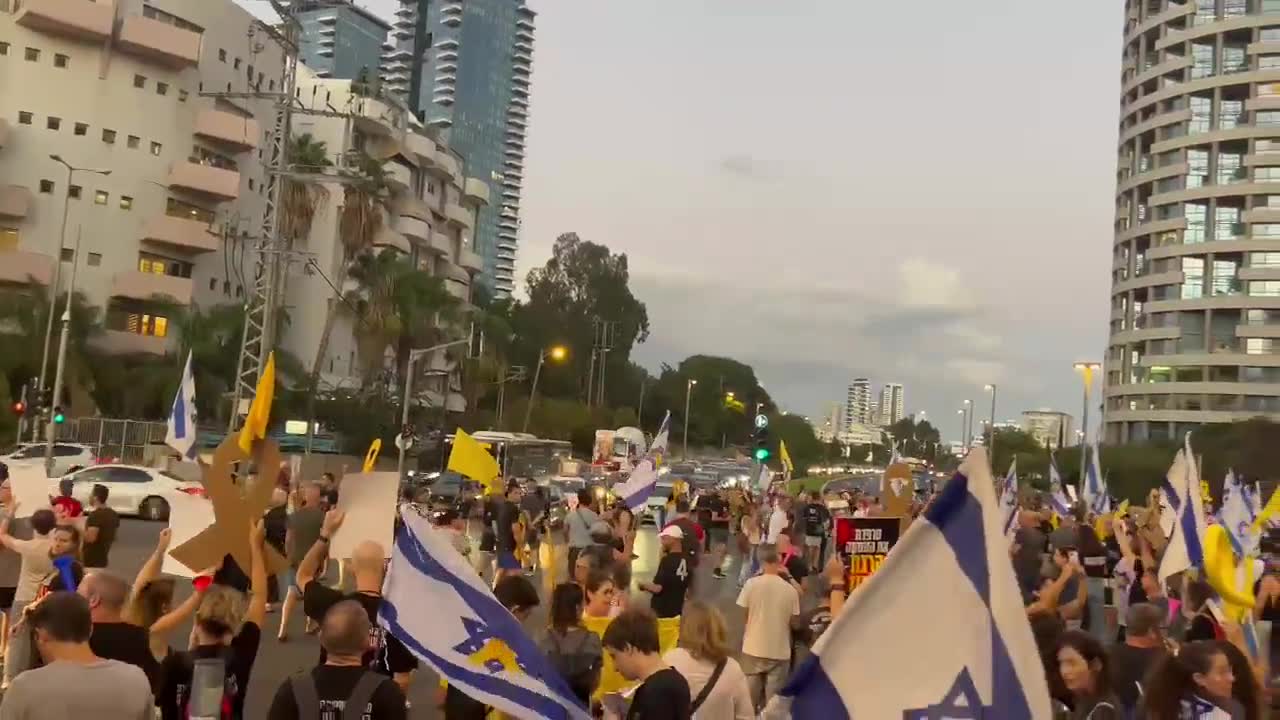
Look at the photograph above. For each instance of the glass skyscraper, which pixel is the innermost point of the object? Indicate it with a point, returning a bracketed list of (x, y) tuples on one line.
[(464, 67), (339, 40)]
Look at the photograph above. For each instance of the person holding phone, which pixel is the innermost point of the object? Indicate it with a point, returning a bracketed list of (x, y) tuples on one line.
[(1074, 597)]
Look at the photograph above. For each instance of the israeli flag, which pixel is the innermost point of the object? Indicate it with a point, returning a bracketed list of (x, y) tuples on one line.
[(982, 659), (1009, 501), (1058, 501), (436, 604), (765, 479), (181, 435), (639, 485), (1185, 549), (1095, 484), (1237, 516)]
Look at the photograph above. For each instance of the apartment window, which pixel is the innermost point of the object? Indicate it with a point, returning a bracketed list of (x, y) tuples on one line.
[(95, 259), (235, 64), (203, 156), (249, 74), (1268, 118), (271, 84), (133, 142), (100, 197), (8, 238), (182, 96), (4, 48), (162, 88), (250, 184), (32, 54), (226, 288), (139, 81), (170, 19), (73, 192), (1260, 346), (82, 128), (157, 265), (53, 123), (61, 61), (126, 202), (259, 83), (1264, 288), (222, 55), (1264, 259), (179, 209), (68, 254), (109, 137), (24, 118), (213, 284), (46, 186)]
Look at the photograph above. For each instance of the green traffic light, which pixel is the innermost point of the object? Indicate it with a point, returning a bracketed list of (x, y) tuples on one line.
[(762, 454), (58, 417)]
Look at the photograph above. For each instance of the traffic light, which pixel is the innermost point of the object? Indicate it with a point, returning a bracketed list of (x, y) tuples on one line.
[(58, 417), (760, 439), (19, 408)]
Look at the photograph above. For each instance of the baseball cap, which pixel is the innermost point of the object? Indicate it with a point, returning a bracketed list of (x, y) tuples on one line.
[(672, 531)]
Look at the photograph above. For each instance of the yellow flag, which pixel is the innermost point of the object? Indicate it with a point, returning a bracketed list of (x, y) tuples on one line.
[(1123, 509), (255, 423), (1271, 508), (469, 458), (785, 456)]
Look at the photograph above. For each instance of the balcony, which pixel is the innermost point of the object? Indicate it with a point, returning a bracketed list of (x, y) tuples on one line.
[(458, 215), (471, 262), (421, 146), (399, 177), (388, 238), (159, 42), (452, 21), (205, 179), (377, 117), (15, 201), (123, 342), (475, 190), (24, 268), (79, 19), (413, 207), (412, 227), (180, 233), (441, 244), (138, 285), (228, 128), (449, 166)]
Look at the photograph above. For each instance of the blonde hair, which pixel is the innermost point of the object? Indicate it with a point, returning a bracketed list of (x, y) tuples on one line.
[(703, 633), (221, 610)]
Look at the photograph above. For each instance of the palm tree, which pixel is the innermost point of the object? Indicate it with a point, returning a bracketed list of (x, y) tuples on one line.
[(303, 198), (23, 318)]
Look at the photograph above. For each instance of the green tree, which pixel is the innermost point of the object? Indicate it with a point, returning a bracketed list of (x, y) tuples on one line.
[(302, 197), (802, 444), (712, 420), (23, 318)]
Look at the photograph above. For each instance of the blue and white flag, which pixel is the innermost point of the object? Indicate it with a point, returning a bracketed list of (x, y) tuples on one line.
[(982, 658), (1096, 496), (434, 602), (1238, 514), (181, 435), (1058, 501), (1186, 549), (765, 480), (639, 485), (1009, 501)]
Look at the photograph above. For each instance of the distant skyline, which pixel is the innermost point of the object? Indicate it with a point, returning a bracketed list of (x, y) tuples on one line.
[(800, 189)]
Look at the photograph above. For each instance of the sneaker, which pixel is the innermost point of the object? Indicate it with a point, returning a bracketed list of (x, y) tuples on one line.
[(718, 574)]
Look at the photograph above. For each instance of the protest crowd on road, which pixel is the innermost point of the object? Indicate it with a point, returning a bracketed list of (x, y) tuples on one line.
[(1126, 615)]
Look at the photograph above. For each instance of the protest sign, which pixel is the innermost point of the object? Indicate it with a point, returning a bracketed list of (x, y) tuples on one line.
[(188, 517), (863, 544), (31, 488), (368, 501)]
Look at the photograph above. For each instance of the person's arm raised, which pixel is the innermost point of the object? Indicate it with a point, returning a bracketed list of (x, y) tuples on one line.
[(150, 571)]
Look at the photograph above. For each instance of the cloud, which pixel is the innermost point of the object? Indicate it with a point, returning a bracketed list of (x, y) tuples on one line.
[(747, 167)]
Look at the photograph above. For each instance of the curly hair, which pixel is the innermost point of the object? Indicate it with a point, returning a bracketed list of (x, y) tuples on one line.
[(221, 611)]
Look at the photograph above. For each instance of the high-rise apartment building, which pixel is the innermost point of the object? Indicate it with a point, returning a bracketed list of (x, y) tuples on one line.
[(857, 406), (890, 404), (1049, 427), (464, 66), (340, 39), (1195, 295)]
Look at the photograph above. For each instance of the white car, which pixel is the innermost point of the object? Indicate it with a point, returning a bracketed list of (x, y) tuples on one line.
[(66, 457), (131, 489)]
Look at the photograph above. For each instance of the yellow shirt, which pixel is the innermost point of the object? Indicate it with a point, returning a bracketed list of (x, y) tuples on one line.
[(611, 681)]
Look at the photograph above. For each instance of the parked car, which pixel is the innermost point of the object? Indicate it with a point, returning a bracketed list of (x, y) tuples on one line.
[(131, 489), (445, 488), (66, 457)]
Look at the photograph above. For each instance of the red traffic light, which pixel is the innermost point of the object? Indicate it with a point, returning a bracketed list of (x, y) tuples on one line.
[(19, 408)]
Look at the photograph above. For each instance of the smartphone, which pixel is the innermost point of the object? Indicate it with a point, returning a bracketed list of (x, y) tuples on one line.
[(614, 704), (1075, 556)]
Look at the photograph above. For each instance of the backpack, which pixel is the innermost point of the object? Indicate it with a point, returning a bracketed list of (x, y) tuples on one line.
[(208, 697), (307, 696), (578, 661)]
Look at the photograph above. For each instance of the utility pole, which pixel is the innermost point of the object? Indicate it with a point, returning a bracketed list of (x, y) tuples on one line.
[(603, 332), (50, 431), (408, 387)]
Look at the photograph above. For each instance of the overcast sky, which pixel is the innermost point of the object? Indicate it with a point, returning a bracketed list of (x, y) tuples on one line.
[(917, 191)]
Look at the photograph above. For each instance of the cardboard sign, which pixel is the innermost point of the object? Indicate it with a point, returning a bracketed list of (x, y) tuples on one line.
[(369, 503), (31, 489), (188, 517), (864, 543)]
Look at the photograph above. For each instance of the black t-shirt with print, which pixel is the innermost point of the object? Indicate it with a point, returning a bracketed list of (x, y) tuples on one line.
[(177, 669), (816, 516), (386, 654), (127, 643), (334, 685), (663, 696), (673, 576)]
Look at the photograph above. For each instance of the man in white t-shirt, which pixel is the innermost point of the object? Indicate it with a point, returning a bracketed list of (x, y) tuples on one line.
[(37, 563), (778, 520), (770, 602)]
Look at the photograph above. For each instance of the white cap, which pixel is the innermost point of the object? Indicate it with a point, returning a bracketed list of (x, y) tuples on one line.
[(672, 531)]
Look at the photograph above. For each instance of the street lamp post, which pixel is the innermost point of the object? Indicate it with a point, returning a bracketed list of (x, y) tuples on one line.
[(556, 353), (1086, 370), (57, 273), (991, 442), (964, 422), (408, 385), (968, 428), (62, 361), (688, 390)]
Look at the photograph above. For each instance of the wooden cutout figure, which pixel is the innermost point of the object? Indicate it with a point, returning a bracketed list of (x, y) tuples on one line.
[(234, 511), (897, 492)]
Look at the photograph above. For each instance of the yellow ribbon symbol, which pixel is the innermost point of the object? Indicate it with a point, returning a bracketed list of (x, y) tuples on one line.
[(371, 457), (1232, 582)]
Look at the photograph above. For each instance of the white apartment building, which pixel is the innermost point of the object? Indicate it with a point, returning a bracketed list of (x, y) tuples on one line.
[(116, 86), (1049, 427), (857, 408), (891, 404)]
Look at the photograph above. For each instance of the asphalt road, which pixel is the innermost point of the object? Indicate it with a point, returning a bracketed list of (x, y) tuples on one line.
[(277, 661)]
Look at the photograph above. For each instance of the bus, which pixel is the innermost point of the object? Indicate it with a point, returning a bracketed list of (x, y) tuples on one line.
[(521, 455)]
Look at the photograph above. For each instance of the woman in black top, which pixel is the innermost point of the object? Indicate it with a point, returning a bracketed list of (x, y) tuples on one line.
[(1086, 674), (225, 631)]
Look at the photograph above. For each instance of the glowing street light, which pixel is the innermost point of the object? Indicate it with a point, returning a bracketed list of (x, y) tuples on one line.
[(555, 352)]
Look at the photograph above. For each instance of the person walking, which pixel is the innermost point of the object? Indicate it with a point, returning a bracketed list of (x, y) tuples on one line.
[(303, 529), (631, 640), (770, 602), (717, 684), (100, 528), (579, 523), (341, 686), (574, 651), (113, 638), (669, 585), (74, 683)]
